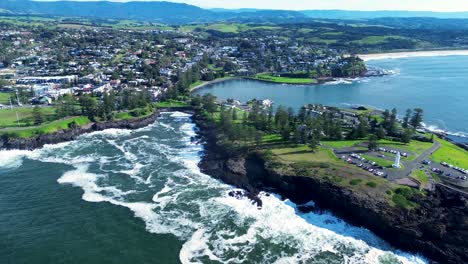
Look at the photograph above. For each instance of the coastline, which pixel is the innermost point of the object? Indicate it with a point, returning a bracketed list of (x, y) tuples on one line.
[(71, 134), (213, 81), (425, 230), (410, 54)]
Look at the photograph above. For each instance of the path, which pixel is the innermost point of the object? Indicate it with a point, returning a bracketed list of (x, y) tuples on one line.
[(412, 165)]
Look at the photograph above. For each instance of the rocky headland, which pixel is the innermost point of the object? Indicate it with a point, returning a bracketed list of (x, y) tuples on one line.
[(437, 228)]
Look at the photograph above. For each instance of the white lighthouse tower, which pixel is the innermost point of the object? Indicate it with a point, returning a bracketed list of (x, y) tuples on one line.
[(397, 160)]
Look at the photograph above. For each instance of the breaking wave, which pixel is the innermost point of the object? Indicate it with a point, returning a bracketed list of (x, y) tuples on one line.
[(154, 173)]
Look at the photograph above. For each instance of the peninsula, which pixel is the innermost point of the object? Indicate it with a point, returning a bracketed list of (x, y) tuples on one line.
[(61, 77)]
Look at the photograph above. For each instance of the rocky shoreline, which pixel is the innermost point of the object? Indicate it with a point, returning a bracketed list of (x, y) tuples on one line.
[(72, 134), (436, 229)]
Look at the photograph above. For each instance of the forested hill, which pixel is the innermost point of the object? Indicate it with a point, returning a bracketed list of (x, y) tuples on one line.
[(346, 14), (163, 12)]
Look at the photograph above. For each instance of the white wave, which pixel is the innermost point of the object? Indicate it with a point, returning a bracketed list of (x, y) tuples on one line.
[(179, 114), (198, 219), (196, 247), (437, 129), (13, 158), (110, 133), (168, 127), (188, 129), (279, 221), (340, 81)]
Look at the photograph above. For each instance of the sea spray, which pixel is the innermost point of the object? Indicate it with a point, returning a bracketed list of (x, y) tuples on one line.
[(153, 173)]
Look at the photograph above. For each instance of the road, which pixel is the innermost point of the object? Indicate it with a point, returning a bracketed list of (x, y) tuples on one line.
[(409, 166)]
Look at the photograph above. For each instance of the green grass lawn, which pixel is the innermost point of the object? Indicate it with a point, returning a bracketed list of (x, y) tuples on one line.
[(304, 153), (8, 116), (373, 40), (135, 113), (451, 154), (420, 176), (341, 143), (270, 78), (5, 98), (228, 27), (171, 103), (195, 84), (379, 161), (46, 128), (416, 148)]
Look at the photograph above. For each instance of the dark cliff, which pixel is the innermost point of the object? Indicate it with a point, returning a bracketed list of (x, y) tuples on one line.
[(437, 228)]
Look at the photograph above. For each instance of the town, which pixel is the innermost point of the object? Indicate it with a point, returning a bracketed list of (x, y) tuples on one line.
[(75, 75)]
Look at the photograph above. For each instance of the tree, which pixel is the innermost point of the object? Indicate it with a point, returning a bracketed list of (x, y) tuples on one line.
[(196, 101), (209, 103), (406, 136), (417, 118), (380, 133), (407, 118), (88, 106), (363, 128), (286, 133), (65, 106), (281, 118), (372, 143), (38, 116)]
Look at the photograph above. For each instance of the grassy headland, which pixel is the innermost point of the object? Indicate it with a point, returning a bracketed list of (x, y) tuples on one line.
[(268, 77)]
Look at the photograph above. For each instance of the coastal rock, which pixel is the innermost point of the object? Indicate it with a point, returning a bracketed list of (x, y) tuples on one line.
[(437, 229)]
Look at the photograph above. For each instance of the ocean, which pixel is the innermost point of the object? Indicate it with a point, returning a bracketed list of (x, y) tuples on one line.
[(438, 85), (122, 196)]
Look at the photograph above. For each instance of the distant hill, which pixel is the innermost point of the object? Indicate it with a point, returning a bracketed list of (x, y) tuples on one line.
[(177, 13), (163, 12), (344, 14)]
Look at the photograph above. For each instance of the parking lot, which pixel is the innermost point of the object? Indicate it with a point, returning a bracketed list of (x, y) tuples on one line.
[(360, 162)]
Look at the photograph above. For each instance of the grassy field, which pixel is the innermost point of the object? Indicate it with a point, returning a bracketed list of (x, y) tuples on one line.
[(416, 148), (136, 113), (171, 103), (322, 41), (323, 164), (46, 128), (451, 154), (420, 176), (5, 98), (341, 143), (8, 117), (269, 78), (228, 27), (304, 153), (374, 40), (379, 161), (195, 84)]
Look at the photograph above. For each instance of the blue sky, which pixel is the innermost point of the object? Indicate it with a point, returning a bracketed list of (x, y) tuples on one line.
[(420, 5)]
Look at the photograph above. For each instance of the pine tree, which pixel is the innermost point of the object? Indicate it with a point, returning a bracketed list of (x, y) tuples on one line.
[(38, 116)]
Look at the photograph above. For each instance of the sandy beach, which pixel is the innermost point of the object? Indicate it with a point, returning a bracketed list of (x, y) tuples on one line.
[(408, 54), (214, 81)]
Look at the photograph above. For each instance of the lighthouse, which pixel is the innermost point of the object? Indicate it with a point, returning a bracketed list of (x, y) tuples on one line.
[(396, 164)]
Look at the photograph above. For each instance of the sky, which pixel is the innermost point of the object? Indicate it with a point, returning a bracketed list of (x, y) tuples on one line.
[(412, 5)]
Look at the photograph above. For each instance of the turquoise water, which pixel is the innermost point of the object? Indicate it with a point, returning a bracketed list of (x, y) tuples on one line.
[(439, 85), (121, 196)]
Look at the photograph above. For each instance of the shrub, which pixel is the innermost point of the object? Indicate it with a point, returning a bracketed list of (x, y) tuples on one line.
[(73, 125), (404, 191), (401, 201), (355, 181), (371, 184)]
